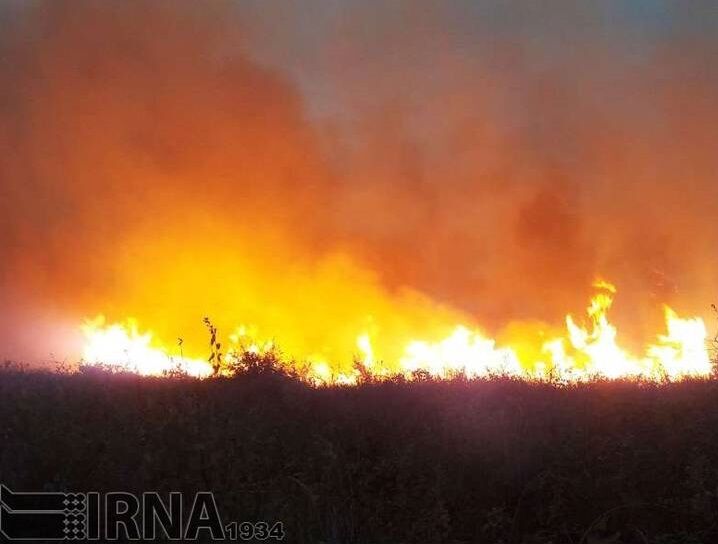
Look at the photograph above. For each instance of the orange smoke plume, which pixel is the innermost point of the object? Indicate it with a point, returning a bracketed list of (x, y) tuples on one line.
[(419, 195)]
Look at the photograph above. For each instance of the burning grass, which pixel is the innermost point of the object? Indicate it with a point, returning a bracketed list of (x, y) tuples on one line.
[(586, 349), (484, 460)]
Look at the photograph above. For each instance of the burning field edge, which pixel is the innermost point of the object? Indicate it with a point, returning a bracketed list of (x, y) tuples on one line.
[(587, 349)]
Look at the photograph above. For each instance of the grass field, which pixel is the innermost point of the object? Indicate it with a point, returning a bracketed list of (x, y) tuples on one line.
[(496, 461)]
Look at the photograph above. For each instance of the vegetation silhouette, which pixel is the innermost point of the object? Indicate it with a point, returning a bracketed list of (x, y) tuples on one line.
[(397, 460)]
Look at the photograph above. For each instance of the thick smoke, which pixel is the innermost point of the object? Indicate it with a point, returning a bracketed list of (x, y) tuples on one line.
[(170, 160), (133, 134), (501, 155)]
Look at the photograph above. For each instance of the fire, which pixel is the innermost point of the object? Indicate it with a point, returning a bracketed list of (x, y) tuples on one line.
[(463, 351), (122, 346), (680, 353), (364, 346), (597, 348), (583, 352)]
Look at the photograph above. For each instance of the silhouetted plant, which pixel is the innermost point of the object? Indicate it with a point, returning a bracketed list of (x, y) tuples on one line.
[(248, 361), (215, 347)]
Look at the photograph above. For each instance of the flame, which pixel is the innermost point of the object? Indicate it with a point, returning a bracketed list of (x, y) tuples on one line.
[(682, 352), (464, 351), (364, 346), (583, 352), (122, 346), (596, 348)]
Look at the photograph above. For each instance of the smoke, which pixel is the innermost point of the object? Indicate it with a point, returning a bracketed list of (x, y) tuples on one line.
[(351, 165), (500, 155)]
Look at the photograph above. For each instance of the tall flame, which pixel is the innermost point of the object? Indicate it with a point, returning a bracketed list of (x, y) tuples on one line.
[(582, 353)]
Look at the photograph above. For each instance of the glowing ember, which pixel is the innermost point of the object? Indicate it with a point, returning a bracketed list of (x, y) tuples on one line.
[(581, 354)]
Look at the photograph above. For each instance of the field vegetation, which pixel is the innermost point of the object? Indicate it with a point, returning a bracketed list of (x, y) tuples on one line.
[(398, 461)]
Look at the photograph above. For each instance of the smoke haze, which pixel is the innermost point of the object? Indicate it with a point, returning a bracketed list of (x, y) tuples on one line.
[(387, 166)]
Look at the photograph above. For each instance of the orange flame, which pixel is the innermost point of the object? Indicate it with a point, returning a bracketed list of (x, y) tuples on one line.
[(581, 354), (122, 346)]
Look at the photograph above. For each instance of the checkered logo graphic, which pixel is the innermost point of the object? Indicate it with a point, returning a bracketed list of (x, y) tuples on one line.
[(42, 516)]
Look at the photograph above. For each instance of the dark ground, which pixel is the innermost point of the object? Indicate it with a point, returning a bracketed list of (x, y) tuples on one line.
[(463, 461)]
